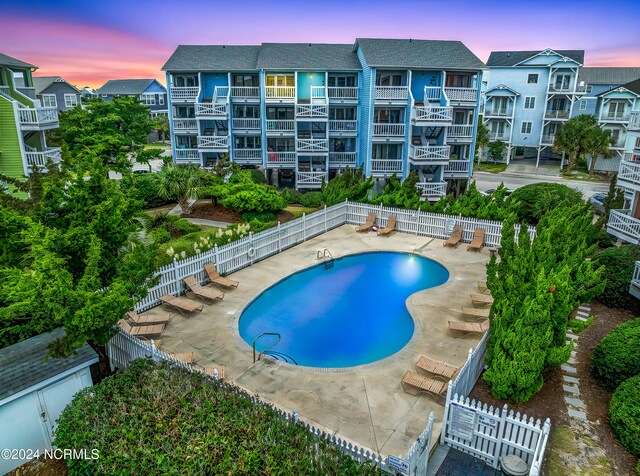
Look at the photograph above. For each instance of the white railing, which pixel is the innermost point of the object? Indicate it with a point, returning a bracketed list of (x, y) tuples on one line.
[(386, 166), (429, 153), (392, 92), (624, 226), (388, 130), (342, 158), (185, 124), (635, 280), (280, 92), (311, 110), (556, 114), (547, 139), (245, 92), (280, 125), (432, 189), (629, 172), (432, 93), (554, 88), (248, 155), (211, 109), (280, 158), (38, 116), (318, 92), (185, 93), (6, 92), (343, 126), (634, 121), (190, 155), (221, 94), (615, 116), (460, 130), (461, 94), (343, 93), (246, 123), (310, 179), (493, 136), (40, 158), (29, 92), (498, 112), (457, 168), (213, 142), (312, 145), (432, 114)]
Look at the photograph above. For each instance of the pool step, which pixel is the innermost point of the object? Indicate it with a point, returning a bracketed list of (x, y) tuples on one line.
[(328, 264)]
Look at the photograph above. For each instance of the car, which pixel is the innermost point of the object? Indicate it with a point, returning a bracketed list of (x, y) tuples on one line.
[(597, 201), (489, 191)]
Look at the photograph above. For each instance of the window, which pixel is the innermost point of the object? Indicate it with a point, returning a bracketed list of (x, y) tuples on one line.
[(247, 80), (280, 113), (70, 100), (386, 152), (387, 115), (280, 80), (616, 110), (389, 78), (148, 99), (280, 145), (526, 128), (246, 112), (532, 79), (49, 100), (161, 99), (458, 81), (342, 81), (583, 105), (589, 89), (529, 102), (247, 142), (342, 113)]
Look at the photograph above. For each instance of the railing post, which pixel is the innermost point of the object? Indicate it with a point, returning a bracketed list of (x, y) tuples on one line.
[(500, 436), (251, 246), (295, 415), (325, 218), (216, 253), (279, 242), (304, 227), (445, 417), (175, 274)]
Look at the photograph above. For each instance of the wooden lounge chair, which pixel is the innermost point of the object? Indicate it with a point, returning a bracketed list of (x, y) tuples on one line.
[(180, 304), (391, 225), (210, 371), (475, 314), (218, 280), (456, 237), (468, 328), (478, 240), (196, 289), (413, 383), (156, 342), (186, 357), (481, 300), (436, 367), (366, 226), (482, 287), (136, 319), (140, 331)]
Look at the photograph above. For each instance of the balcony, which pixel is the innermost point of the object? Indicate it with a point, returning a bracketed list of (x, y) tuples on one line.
[(460, 132), (386, 166), (391, 94), (432, 93), (213, 143), (280, 127), (624, 226), (547, 140), (342, 94), (425, 115), (432, 191), (456, 169), (280, 159), (245, 93), (498, 112), (634, 289), (466, 96), (556, 114), (342, 159), (388, 130), (629, 175), (280, 93), (211, 110), (343, 127), (29, 92), (311, 111), (40, 158), (634, 121), (494, 136), (429, 154), (185, 124), (312, 145), (248, 156), (187, 156), (619, 143), (567, 89), (40, 118), (185, 94), (310, 179), (614, 116), (246, 123)]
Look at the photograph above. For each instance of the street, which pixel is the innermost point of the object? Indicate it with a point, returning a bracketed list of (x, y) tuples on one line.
[(485, 180)]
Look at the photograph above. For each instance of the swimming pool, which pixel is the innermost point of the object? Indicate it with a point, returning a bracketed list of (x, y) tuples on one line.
[(350, 314)]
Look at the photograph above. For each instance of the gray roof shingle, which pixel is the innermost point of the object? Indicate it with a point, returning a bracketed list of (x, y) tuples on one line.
[(25, 364), (212, 58), (633, 86), (43, 82), (125, 86), (431, 54), (614, 75), (317, 56), (512, 58), (6, 60)]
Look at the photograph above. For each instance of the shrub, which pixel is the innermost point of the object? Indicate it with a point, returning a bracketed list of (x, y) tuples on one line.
[(615, 358), (260, 217), (312, 200), (161, 235), (257, 176), (619, 263), (397, 194), (624, 412), (243, 195), (577, 326), (291, 196), (350, 184), (533, 201), (156, 418), (145, 188)]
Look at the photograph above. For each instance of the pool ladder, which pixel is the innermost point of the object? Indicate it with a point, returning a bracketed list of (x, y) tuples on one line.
[(327, 257), (276, 355)]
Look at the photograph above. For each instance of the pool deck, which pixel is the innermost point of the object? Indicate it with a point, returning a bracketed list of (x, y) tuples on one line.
[(365, 404)]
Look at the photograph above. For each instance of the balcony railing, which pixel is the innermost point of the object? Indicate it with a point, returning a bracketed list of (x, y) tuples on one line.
[(547, 139), (246, 123), (343, 126), (311, 110), (318, 92), (245, 92), (310, 179), (460, 131), (186, 93), (629, 175), (615, 117), (634, 121), (386, 166), (497, 112), (493, 136), (275, 159), (213, 142), (433, 114), (619, 143), (556, 114), (343, 93), (6, 92), (429, 153), (635, 281), (555, 88), (388, 130), (342, 158), (280, 92), (29, 92), (461, 94), (312, 145), (432, 93), (281, 125), (40, 158), (187, 154), (248, 156), (394, 93), (432, 190), (183, 124), (211, 109), (37, 117), (456, 168), (624, 226)]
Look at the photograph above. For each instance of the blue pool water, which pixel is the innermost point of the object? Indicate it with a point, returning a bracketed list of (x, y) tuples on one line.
[(351, 314)]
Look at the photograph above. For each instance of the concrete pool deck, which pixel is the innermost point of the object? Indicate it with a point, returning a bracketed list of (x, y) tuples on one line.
[(365, 404)]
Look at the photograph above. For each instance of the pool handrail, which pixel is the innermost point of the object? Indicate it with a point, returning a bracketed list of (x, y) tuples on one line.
[(272, 345)]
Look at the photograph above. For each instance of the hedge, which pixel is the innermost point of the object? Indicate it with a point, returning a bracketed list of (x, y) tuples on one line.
[(617, 356), (537, 199), (155, 418), (624, 412), (619, 263)]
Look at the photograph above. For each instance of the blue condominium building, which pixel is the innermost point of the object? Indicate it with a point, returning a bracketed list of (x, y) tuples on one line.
[(303, 112)]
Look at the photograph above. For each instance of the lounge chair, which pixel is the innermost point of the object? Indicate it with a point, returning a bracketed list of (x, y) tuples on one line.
[(468, 328), (478, 240), (137, 319), (218, 280), (481, 300), (391, 225), (156, 342), (456, 237), (210, 371), (437, 367), (413, 383), (366, 226), (196, 289), (140, 331), (482, 286), (186, 357), (475, 314), (180, 304)]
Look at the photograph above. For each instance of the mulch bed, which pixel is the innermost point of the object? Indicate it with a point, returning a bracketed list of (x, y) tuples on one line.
[(206, 210)]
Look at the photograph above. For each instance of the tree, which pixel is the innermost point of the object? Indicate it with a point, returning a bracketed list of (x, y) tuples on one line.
[(482, 139), (597, 143), (496, 149), (145, 156), (161, 124), (181, 182), (614, 200), (572, 138), (350, 184)]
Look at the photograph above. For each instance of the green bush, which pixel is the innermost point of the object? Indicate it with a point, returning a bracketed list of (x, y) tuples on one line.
[(263, 217), (257, 176), (350, 184), (312, 200), (156, 418), (577, 326), (533, 201), (291, 196), (161, 235), (144, 187), (619, 263), (624, 412), (616, 357)]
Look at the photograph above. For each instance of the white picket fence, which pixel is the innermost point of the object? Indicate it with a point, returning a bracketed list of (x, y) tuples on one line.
[(472, 368)]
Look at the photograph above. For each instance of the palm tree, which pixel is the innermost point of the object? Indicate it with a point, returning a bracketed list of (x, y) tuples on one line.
[(482, 139), (571, 138), (597, 144), (181, 183)]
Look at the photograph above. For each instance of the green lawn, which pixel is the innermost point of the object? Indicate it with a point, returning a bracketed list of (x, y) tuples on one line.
[(297, 211), (493, 168)]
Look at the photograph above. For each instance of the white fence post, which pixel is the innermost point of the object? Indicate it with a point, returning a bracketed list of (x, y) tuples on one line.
[(304, 227), (279, 238), (445, 417), (176, 276), (217, 255), (500, 436), (325, 218)]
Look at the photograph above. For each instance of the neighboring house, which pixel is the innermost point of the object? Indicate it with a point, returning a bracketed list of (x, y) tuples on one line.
[(53, 91), (303, 112), (529, 95), (23, 121), (34, 389), (87, 93), (149, 91), (598, 81)]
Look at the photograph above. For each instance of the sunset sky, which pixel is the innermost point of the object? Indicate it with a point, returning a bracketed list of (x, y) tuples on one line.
[(90, 42)]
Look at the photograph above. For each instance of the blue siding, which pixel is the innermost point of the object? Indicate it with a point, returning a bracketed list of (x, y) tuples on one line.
[(171, 132), (306, 80), (155, 87), (208, 81), (420, 79)]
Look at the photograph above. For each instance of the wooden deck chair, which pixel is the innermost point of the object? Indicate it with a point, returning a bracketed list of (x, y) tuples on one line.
[(475, 314), (186, 357), (218, 280), (137, 319), (366, 226), (414, 384), (391, 226), (180, 304), (468, 328), (481, 300), (196, 289), (482, 287), (478, 240), (210, 371), (140, 331), (456, 237), (156, 342), (441, 370)]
